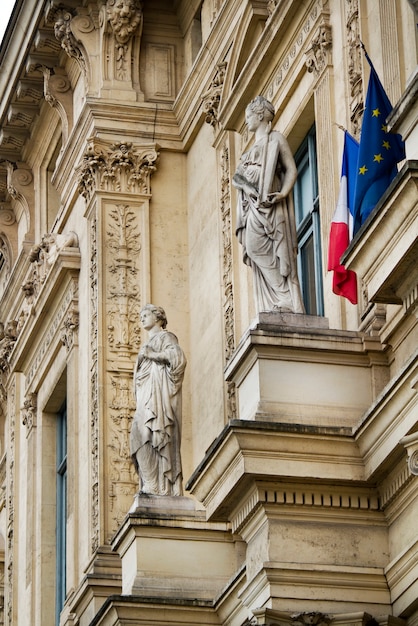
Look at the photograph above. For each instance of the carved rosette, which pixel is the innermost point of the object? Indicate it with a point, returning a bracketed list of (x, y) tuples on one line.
[(318, 54), (117, 167), (212, 98)]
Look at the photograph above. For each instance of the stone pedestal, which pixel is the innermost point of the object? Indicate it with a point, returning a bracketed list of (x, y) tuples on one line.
[(291, 368), (169, 550)]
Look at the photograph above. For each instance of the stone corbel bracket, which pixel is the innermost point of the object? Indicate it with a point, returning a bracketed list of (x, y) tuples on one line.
[(410, 443), (58, 94), (76, 33), (19, 181)]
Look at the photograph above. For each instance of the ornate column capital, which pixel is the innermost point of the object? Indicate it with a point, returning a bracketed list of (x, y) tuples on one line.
[(117, 167)]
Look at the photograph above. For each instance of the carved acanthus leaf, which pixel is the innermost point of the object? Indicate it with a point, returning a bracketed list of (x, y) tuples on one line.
[(117, 167), (313, 618)]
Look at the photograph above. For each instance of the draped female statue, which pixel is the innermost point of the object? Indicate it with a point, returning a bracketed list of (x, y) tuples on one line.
[(156, 427), (265, 221)]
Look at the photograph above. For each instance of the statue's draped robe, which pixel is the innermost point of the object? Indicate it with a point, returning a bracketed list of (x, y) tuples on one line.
[(267, 235), (156, 427)]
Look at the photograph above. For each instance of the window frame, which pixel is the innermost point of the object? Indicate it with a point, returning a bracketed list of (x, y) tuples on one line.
[(61, 511)]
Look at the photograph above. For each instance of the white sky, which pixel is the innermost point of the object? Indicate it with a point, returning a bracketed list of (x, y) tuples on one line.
[(6, 7)]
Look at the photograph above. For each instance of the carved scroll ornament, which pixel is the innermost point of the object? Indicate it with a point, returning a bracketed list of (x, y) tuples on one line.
[(317, 54), (211, 99)]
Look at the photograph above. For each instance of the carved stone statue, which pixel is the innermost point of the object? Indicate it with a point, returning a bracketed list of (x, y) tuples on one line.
[(156, 427), (265, 222)]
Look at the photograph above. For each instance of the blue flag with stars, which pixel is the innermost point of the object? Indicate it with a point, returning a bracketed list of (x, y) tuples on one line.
[(379, 151)]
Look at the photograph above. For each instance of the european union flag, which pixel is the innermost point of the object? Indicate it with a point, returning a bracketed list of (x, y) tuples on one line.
[(379, 151)]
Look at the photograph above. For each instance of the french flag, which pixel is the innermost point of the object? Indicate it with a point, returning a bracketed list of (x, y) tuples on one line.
[(344, 282)]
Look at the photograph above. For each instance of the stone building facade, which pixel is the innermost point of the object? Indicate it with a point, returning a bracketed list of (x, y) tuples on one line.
[(121, 124)]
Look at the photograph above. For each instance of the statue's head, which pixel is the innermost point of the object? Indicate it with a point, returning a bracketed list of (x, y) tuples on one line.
[(158, 312), (262, 108)]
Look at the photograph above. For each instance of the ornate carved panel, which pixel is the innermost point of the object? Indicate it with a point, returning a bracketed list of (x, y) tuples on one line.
[(94, 389), (10, 505), (123, 298), (354, 65), (227, 273), (123, 480), (124, 266)]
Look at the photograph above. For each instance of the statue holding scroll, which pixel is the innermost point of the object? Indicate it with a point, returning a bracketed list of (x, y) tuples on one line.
[(265, 222)]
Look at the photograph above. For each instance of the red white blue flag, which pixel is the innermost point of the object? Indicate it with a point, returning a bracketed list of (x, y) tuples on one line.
[(344, 282)]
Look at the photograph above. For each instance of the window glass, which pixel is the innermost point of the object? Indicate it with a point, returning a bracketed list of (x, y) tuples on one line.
[(308, 226)]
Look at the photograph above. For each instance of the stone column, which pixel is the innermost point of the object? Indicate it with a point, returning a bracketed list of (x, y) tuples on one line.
[(115, 181)]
